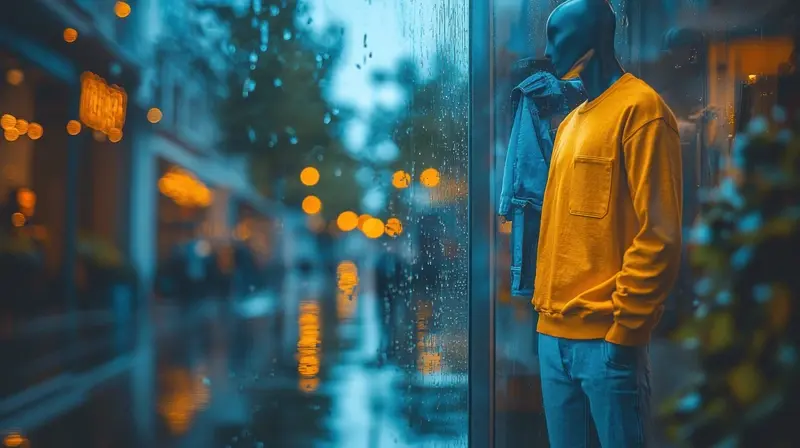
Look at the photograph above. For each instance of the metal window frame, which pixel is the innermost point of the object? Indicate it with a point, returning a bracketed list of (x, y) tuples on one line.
[(482, 223)]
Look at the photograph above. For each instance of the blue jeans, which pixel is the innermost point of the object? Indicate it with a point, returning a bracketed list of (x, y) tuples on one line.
[(595, 393)]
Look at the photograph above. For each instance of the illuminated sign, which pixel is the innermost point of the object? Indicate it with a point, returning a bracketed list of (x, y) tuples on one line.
[(103, 107)]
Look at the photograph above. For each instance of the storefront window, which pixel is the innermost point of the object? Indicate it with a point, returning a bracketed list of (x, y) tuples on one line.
[(717, 67)]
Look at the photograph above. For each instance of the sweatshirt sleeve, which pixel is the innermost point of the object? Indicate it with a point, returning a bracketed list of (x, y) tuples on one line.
[(652, 157)]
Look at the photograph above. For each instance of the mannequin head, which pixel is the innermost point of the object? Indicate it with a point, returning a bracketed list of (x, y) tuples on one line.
[(577, 32)]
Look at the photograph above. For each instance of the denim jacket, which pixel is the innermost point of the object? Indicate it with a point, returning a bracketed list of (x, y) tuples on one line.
[(540, 102)]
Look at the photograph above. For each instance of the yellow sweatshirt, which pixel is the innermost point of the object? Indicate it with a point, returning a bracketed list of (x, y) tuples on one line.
[(610, 241)]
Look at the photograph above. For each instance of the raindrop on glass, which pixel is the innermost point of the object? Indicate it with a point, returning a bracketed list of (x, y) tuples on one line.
[(253, 57)]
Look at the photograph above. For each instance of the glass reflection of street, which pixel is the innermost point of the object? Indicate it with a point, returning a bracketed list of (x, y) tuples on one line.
[(292, 366)]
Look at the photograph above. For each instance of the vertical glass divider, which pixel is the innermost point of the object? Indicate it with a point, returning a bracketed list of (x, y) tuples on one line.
[(481, 226)]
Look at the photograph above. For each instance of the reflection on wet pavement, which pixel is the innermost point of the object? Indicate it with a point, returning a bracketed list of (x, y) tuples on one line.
[(296, 368)]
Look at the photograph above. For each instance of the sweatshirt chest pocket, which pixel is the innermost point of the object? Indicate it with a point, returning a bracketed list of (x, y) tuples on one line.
[(590, 186)]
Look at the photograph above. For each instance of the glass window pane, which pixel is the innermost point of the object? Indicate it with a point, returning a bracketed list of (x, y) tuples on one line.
[(716, 65)]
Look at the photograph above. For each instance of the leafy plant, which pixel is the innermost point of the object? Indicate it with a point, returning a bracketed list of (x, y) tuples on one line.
[(747, 328), (277, 110)]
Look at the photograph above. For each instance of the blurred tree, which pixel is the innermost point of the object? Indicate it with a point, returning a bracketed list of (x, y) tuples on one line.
[(429, 127), (747, 328), (277, 111)]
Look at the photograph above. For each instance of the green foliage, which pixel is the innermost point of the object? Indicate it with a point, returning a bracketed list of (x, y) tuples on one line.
[(277, 111), (747, 328), (429, 128), (433, 124)]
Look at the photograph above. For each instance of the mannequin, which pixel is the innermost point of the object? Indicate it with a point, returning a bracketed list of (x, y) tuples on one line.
[(610, 240), (580, 42)]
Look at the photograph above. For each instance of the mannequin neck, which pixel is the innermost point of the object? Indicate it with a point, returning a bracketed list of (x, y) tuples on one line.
[(600, 73)]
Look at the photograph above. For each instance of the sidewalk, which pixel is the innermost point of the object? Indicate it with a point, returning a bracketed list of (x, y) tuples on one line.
[(81, 365)]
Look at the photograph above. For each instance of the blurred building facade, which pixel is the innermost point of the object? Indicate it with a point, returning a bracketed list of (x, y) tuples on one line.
[(106, 196)]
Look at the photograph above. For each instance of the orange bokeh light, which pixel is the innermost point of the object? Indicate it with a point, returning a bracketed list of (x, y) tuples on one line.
[(73, 127), (309, 176), (70, 35), (122, 9), (312, 205), (347, 221), (35, 131), (154, 115)]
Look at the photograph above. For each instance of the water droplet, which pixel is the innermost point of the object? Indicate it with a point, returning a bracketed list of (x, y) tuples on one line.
[(251, 134), (253, 57), (287, 35), (338, 172), (274, 10), (327, 118), (257, 6), (277, 82), (293, 140)]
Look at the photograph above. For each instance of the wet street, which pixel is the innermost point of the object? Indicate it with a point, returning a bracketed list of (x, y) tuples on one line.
[(295, 367)]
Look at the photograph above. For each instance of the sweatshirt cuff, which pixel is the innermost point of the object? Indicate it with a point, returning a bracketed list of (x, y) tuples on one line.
[(625, 336)]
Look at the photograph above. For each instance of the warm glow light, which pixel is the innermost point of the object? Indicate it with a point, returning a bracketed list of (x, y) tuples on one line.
[(18, 219), (505, 227), (347, 281), (15, 77), (35, 131), (308, 344), (312, 205), (183, 188), (22, 126), (73, 127), (70, 35), (430, 177), (26, 198), (362, 219), (102, 106), (373, 228), (347, 221), (401, 179), (14, 440), (393, 227), (154, 115), (114, 135), (11, 134), (309, 176), (122, 9), (8, 121)]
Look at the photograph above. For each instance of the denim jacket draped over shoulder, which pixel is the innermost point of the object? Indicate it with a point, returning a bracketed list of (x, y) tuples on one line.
[(539, 103)]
